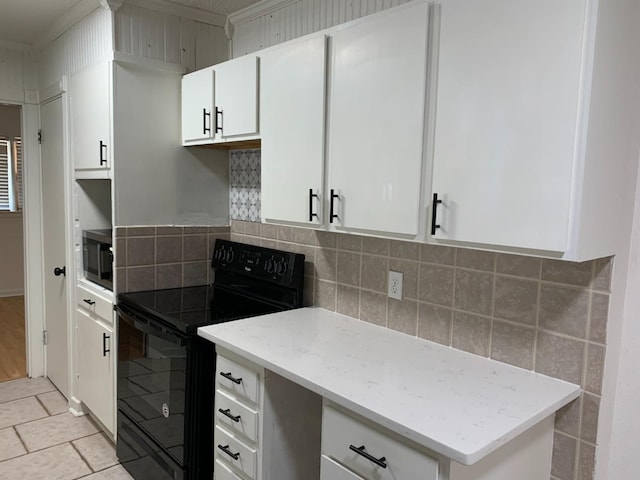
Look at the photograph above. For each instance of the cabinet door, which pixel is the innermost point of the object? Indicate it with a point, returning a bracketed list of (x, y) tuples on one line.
[(376, 120), (90, 104), (330, 470), (505, 128), (197, 106), (236, 97), (95, 367), (292, 87)]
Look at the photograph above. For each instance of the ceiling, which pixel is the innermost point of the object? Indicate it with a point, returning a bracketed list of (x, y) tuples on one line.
[(26, 21)]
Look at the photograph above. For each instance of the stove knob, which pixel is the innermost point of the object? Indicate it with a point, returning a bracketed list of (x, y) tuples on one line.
[(220, 254), (282, 267), (229, 256), (269, 265)]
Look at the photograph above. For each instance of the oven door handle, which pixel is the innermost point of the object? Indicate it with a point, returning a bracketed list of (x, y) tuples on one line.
[(145, 327)]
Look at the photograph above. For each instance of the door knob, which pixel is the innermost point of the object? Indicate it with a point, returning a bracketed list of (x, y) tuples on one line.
[(60, 271)]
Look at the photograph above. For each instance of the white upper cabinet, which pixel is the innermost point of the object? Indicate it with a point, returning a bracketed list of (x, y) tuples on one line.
[(90, 94), (376, 121), (197, 106), (220, 103), (292, 99), (511, 90)]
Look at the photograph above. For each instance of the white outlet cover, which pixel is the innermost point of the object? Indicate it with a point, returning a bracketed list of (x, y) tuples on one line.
[(395, 285)]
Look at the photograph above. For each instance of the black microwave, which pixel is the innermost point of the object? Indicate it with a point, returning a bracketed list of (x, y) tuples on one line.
[(97, 250)]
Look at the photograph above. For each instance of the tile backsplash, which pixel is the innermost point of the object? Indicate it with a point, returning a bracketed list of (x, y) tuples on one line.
[(544, 315), (149, 258), (244, 185)]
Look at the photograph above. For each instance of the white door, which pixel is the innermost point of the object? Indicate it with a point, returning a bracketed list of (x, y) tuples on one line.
[(197, 106), (236, 97), (54, 245), (292, 96), (505, 127), (376, 120)]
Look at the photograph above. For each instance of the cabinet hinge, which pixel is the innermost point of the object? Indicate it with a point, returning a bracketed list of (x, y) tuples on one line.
[(40, 136), (45, 336)]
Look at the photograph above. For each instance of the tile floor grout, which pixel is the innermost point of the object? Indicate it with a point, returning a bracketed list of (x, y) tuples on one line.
[(57, 445)]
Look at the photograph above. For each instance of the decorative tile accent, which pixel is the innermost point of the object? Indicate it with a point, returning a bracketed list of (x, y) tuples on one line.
[(244, 185)]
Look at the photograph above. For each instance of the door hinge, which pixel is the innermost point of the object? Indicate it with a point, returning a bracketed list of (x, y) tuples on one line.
[(40, 136), (44, 337)]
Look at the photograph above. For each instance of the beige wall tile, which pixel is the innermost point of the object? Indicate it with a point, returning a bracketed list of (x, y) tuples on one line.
[(603, 269), (286, 234), (471, 333), (252, 228), (326, 239), (238, 226), (348, 301), (402, 315), (559, 357), (352, 243), (374, 273), (373, 307), (437, 254), (326, 264), (192, 230), (586, 462), (168, 230), (195, 247), (595, 368), (194, 274), (140, 251), (435, 323), (141, 278), (474, 291), (568, 418), (325, 295), (141, 231), (599, 315), (169, 249), (269, 243), (121, 280), (590, 409), (476, 259), (169, 276), (409, 270), (120, 253), (349, 268), (269, 231), (518, 265), (564, 310), (120, 232), (564, 456), (304, 236), (436, 285), (308, 290), (513, 344), (404, 250), (571, 273), (375, 246), (516, 299)]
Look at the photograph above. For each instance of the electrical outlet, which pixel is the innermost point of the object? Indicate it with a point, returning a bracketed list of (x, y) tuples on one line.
[(395, 285)]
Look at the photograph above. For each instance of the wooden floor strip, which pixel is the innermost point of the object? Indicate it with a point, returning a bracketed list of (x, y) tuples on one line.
[(13, 355)]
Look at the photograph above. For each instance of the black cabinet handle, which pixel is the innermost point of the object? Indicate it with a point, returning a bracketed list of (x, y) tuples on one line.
[(105, 337), (360, 451), (219, 122), (225, 449), (103, 149), (228, 376), (60, 271), (311, 197), (434, 211), (331, 208), (227, 413), (89, 301), (205, 114)]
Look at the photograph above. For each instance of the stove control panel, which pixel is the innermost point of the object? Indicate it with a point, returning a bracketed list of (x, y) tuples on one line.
[(258, 262)]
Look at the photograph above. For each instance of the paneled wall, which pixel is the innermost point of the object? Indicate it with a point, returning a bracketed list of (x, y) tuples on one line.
[(301, 18), (17, 74)]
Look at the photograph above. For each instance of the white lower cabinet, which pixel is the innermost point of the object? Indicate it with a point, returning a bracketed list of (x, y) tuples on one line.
[(330, 470), (266, 427), (95, 366)]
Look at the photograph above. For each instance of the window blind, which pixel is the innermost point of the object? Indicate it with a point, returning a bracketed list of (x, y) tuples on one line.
[(4, 175), (17, 146), (11, 174)]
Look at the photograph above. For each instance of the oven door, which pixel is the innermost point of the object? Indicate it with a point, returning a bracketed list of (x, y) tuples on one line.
[(152, 362)]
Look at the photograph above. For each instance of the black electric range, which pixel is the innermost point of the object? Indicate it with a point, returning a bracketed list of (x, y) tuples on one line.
[(166, 372)]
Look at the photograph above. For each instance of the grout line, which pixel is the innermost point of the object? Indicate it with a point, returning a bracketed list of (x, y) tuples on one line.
[(81, 456)]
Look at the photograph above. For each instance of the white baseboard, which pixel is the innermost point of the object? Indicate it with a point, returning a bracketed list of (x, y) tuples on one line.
[(11, 293), (75, 407)]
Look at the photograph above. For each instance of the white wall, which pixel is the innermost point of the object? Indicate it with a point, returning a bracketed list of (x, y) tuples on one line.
[(11, 255)]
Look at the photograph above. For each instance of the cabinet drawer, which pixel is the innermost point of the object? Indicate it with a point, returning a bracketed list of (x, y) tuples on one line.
[(237, 378), (222, 472), (330, 470), (94, 303), (233, 452), (244, 421), (342, 434)]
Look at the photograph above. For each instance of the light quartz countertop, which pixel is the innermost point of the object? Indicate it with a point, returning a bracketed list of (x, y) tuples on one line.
[(460, 405)]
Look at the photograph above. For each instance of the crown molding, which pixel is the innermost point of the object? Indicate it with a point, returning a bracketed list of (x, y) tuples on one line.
[(112, 5), (258, 10), (191, 13), (64, 23)]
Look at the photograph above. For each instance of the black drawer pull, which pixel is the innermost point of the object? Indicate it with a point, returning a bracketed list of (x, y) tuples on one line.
[(105, 350), (434, 210), (225, 449), (228, 376), (360, 451), (89, 301), (332, 215), (205, 115), (103, 149), (311, 197), (219, 120), (227, 413)]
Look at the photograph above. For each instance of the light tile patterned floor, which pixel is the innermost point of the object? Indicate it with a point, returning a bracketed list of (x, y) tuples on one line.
[(41, 440)]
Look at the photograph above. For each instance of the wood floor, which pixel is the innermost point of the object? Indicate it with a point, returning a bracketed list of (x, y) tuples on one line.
[(13, 357)]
